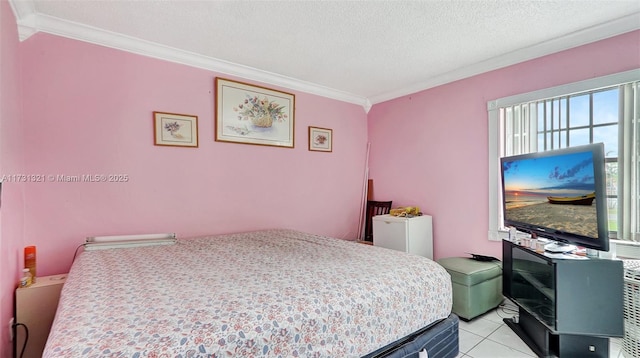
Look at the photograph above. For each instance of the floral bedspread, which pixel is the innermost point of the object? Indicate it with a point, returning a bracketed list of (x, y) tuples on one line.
[(273, 293)]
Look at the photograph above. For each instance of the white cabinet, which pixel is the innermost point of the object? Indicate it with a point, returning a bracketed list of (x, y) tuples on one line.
[(413, 235), (36, 307)]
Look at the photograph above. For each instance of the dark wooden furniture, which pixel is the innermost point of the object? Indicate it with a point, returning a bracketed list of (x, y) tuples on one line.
[(374, 208)]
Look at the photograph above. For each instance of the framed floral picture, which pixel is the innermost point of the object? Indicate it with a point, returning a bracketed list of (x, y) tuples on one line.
[(173, 129), (251, 114), (320, 139)]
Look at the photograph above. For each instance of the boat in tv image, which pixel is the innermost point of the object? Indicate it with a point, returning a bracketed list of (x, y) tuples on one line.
[(573, 200), (558, 194)]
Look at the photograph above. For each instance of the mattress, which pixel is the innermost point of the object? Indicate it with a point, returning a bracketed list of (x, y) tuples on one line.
[(272, 293)]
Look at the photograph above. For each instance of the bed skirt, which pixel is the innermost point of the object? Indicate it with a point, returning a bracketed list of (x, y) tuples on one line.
[(440, 341)]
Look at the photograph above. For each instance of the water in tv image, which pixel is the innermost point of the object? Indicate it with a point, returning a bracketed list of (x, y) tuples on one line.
[(554, 192)]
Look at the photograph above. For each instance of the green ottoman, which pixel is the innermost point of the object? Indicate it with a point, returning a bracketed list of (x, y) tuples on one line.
[(477, 285)]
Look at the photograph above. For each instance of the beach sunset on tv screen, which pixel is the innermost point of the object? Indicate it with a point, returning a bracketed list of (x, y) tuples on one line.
[(553, 192)]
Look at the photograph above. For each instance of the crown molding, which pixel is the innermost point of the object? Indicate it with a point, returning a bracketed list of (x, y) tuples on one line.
[(592, 34), (26, 17), (22, 8), (30, 23), (27, 28)]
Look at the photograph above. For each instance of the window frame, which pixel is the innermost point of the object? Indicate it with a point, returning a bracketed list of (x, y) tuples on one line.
[(496, 231)]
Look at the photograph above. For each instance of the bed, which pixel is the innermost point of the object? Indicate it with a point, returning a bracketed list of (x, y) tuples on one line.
[(271, 293)]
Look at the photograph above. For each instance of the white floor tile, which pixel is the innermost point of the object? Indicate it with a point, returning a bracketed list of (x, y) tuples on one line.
[(491, 349), (468, 340), (506, 336), (490, 316), (479, 326), (615, 348)]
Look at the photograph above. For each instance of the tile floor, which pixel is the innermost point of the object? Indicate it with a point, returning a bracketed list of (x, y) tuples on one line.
[(488, 336)]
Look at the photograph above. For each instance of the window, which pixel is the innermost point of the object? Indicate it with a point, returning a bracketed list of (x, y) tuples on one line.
[(599, 110)]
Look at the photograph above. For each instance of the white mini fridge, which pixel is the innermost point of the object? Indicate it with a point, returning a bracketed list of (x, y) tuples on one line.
[(413, 235)]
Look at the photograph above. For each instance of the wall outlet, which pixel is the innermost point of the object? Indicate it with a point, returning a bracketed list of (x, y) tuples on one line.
[(11, 322)]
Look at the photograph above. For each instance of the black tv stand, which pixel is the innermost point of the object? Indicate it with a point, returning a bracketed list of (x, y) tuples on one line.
[(567, 307), (546, 344)]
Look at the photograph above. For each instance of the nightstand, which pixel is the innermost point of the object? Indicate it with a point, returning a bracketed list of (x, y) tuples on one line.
[(36, 307)]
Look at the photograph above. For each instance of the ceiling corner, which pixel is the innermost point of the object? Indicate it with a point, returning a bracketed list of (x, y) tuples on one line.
[(367, 105), (26, 17)]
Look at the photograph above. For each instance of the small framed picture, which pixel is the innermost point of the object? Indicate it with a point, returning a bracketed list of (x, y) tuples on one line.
[(173, 129), (320, 139)]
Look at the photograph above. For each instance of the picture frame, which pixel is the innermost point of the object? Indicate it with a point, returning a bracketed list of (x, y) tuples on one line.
[(251, 114), (320, 139), (175, 129)]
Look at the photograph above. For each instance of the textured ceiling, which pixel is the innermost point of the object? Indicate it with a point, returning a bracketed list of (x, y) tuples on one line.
[(373, 50)]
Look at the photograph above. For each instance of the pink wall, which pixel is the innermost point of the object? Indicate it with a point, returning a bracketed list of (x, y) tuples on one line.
[(431, 148), (11, 161), (87, 110), (90, 112)]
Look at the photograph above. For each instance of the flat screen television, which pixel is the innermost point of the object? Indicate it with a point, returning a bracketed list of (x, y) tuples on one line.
[(559, 195)]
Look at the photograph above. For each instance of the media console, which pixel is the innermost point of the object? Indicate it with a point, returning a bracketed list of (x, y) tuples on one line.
[(567, 307)]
